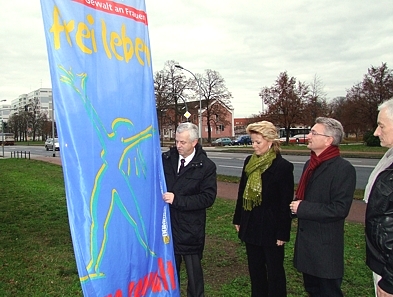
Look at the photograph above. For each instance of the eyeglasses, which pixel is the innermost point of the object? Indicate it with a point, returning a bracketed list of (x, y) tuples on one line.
[(315, 133)]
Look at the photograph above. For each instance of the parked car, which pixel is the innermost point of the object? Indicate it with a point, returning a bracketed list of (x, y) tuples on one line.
[(242, 140), (49, 144), (222, 141)]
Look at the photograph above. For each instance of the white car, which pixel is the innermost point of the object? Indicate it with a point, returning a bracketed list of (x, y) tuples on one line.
[(299, 138), (49, 144)]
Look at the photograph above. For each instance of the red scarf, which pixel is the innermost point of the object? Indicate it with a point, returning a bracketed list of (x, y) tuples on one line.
[(315, 161)]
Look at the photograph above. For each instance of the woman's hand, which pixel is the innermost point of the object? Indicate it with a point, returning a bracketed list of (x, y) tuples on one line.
[(237, 227)]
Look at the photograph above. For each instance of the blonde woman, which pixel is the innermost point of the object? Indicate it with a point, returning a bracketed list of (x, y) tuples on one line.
[(262, 217)]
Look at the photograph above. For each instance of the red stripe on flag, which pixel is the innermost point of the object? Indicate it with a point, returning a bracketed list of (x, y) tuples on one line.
[(116, 8)]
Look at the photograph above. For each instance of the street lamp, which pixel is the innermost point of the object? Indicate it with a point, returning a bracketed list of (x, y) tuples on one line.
[(53, 129), (186, 114), (200, 101), (2, 129)]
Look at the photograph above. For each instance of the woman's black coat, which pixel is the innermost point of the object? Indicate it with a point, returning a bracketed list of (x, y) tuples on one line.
[(195, 189), (270, 221)]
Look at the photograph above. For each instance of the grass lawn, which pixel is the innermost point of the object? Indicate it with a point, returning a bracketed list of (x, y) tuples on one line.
[(36, 256)]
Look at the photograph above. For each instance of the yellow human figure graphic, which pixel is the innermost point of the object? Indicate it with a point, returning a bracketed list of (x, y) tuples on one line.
[(118, 144)]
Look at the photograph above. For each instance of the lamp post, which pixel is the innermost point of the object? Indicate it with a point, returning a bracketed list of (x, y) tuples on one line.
[(53, 130), (186, 114), (2, 130), (200, 101)]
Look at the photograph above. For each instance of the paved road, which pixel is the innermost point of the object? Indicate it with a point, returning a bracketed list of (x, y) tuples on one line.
[(229, 191), (232, 163)]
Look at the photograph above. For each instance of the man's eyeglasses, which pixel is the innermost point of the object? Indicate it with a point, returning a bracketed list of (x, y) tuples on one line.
[(315, 133)]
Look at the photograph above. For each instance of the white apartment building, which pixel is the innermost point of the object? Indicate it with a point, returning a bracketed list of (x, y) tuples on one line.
[(43, 96), (5, 111)]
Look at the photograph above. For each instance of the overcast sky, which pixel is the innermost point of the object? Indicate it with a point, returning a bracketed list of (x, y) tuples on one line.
[(248, 42)]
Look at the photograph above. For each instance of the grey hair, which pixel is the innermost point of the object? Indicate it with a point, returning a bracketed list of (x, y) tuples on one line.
[(190, 127), (388, 105), (333, 128)]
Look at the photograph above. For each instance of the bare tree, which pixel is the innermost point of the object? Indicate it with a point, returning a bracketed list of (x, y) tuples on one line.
[(215, 99), (376, 87), (162, 99), (315, 104), (286, 101), (34, 118), (169, 87), (17, 123), (47, 129), (30, 120), (342, 109), (174, 92), (13, 125)]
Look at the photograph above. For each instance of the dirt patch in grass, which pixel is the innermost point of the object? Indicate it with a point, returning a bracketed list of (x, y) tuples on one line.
[(223, 261)]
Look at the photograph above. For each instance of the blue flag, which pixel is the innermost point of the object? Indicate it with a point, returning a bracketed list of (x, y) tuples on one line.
[(103, 94)]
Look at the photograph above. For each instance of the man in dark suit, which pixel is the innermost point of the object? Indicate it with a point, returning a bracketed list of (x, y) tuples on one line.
[(322, 203), (192, 187)]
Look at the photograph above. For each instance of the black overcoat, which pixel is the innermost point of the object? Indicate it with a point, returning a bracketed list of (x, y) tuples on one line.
[(319, 245), (270, 221), (195, 189), (379, 229)]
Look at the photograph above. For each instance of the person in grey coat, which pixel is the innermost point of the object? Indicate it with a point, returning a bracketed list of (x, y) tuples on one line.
[(323, 200), (191, 188)]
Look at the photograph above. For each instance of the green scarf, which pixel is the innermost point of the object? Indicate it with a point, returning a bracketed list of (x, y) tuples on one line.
[(257, 165)]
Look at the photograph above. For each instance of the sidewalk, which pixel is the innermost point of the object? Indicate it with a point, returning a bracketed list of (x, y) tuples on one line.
[(229, 191), (356, 213)]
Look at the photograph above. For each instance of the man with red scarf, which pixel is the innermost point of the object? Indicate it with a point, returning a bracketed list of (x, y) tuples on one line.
[(323, 199)]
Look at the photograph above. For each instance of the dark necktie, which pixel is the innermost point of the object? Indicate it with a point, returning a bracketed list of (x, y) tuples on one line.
[(181, 165)]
